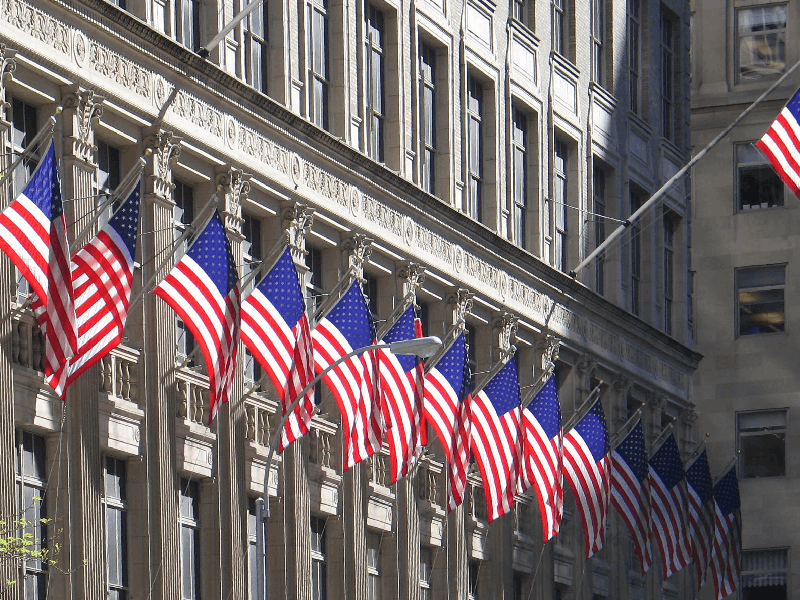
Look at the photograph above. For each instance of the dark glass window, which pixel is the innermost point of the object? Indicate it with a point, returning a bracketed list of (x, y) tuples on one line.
[(475, 149), (598, 41), (561, 196), (667, 78), (637, 199), (255, 48), (559, 26), (427, 87), (116, 504), (190, 539), (31, 506), (760, 297), (759, 186), (318, 62), (599, 191), (765, 574), (762, 443), (319, 567), (375, 82), (634, 53), (519, 141), (187, 23)]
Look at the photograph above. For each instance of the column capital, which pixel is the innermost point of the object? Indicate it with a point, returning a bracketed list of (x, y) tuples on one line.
[(81, 107), (459, 302), (166, 148), (297, 218), (504, 328), (235, 185), (357, 250), (8, 64), (412, 275)]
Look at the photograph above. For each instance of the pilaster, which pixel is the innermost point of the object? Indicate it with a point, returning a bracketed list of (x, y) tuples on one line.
[(159, 358), (81, 108)]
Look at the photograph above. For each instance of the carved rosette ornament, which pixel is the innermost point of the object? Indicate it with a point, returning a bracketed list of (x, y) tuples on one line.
[(8, 64), (357, 249), (235, 185), (297, 220), (459, 302), (166, 149), (505, 329), (412, 274), (81, 107)]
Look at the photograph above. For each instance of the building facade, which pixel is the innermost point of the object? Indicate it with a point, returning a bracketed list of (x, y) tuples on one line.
[(473, 152), (744, 261)]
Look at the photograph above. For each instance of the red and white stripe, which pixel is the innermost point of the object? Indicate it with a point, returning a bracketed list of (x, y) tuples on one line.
[(286, 354), (440, 408), (631, 499), (496, 444), (726, 555), (591, 484), (102, 276), (38, 247), (670, 524), (212, 319), (543, 472), (352, 386), (401, 412), (701, 524), (781, 145), (459, 455)]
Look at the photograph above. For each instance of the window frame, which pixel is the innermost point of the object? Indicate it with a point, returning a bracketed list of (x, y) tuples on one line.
[(33, 570), (742, 432), (667, 44), (426, 583), (745, 573), (519, 176), (558, 25), (427, 67), (118, 504), (637, 199), (190, 489), (598, 42), (761, 165), (319, 558), (738, 289), (374, 567), (561, 155), (375, 50), (254, 41), (738, 38), (475, 148), (671, 224), (599, 208), (634, 37), (318, 69), (190, 40)]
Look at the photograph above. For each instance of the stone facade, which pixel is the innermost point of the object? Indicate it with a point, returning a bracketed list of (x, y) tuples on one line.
[(596, 127)]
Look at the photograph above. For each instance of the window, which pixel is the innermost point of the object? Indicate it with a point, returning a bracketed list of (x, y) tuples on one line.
[(599, 191), (318, 559), (120, 3), (190, 539), (108, 167), (187, 23), (316, 292), (251, 246), (764, 574), (667, 77), (255, 48), (30, 487), (761, 41), (634, 53), (474, 570), (637, 199), (559, 26), (425, 574), (373, 566), (475, 148), (762, 443), (760, 298), (670, 226), (427, 116), (318, 62), (471, 339), (598, 39), (423, 314), (374, 81), (371, 292), (253, 558), (519, 131), (518, 10), (116, 506), (183, 215), (560, 196), (759, 186)]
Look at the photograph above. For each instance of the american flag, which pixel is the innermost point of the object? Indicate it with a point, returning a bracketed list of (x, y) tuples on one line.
[(586, 465), (445, 388), (543, 454), (33, 233), (495, 438), (669, 502), (348, 326), (102, 276), (203, 289), (781, 144), (727, 554), (701, 515), (400, 401), (630, 491), (275, 329)]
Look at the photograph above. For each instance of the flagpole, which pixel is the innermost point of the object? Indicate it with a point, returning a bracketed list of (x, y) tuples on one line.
[(577, 416), (496, 367), (637, 413), (671, 181), (47, 129), (538, 385), (408, 299), (120, 193), (661, 437), (447, 342), (727, 467), (699, 446), (325, 307), (177, 244)]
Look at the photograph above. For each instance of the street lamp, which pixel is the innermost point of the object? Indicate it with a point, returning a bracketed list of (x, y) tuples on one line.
[(423, 347)]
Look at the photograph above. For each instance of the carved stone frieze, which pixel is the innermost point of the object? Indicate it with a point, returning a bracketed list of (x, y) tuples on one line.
[(37, 24), (297, 220), (235, 185), (357, 249), (8, 64), (166, 149), (81, 107)]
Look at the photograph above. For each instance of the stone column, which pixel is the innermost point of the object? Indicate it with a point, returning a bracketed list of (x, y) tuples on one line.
[(297, 219), (459, 303), (232, 497), (81, 108), (8, 569), (160, 385)]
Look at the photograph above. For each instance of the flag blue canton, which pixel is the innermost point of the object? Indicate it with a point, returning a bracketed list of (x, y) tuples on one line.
[(126, 220), (453, 364), (666, 462), (351, 317), (403, 329), (546, 409), (503, 389), (44, 187), (281, 286), (633, 451), (726, 492), (698, 475), (592, 428), (211, 250), (794, 105)]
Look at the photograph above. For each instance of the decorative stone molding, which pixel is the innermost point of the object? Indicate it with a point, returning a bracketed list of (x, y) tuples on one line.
[(357, 249), (166, 149), (412, 275), (235, 185), (8, 64), (547, 349), (297, 218), (459, 302), (504, 327), (81, 107)]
